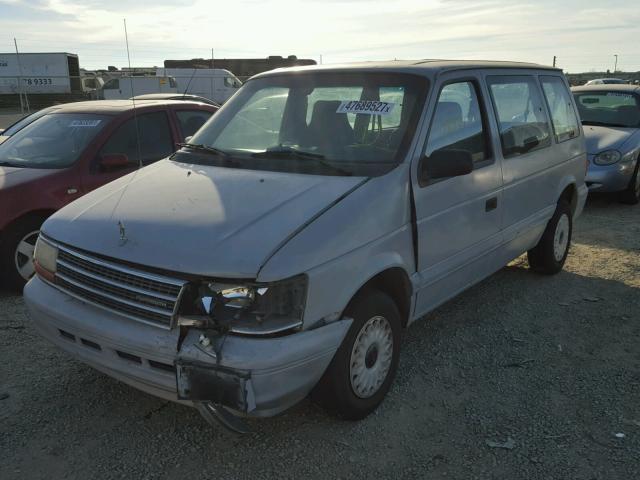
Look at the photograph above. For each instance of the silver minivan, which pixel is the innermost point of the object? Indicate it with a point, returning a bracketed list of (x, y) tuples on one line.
[(322, 210)]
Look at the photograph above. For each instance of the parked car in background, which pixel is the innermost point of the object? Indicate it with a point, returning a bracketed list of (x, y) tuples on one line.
[(611, 119), (607, 81), (173, 96), (75, 148), (320, 212)]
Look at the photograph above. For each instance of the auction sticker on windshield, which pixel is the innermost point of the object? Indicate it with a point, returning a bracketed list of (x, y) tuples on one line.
[(619, 94), (84, 123), (367, 107)]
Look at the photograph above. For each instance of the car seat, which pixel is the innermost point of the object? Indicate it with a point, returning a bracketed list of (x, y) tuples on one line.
[(328, 130)]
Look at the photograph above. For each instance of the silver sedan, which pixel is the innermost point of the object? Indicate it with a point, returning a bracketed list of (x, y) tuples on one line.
[(611, 120)]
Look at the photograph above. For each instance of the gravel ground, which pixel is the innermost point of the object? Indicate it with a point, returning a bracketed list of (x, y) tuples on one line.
[(548, 368)]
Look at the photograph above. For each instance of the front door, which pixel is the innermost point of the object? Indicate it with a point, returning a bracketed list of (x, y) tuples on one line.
[(143, 139), (458, 218)]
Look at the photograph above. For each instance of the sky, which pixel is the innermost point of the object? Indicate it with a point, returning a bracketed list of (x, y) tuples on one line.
[(583, 34)]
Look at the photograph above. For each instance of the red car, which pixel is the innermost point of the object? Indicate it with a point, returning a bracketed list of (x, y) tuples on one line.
[(72, 150)]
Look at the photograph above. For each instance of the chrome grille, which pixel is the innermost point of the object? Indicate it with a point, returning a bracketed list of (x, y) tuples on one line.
[(136, 294)]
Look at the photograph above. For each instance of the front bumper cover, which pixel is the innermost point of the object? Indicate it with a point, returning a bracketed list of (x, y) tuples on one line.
[(609, 178), (250, 375)]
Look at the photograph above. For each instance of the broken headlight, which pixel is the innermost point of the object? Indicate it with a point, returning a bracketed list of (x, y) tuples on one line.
[(247, 308)]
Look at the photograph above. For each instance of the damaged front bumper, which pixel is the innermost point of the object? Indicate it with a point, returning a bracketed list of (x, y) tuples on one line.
[(250, 376)]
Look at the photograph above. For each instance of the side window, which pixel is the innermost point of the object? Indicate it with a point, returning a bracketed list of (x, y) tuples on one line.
[(563, 116), (520, 112), (155, 137), (113, 84), (457, 123), (191, 120)]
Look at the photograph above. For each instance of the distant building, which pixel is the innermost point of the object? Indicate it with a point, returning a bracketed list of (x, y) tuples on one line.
[(241, 67)]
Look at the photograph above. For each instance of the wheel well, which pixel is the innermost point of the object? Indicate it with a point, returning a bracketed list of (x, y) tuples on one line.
[(395, 283), (570, 194), (43, 214)]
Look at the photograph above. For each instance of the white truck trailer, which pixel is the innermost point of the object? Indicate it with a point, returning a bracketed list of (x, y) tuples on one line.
[(213, 83), (131, 86), (39, 73)]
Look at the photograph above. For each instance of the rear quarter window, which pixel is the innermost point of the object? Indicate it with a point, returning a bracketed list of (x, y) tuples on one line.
[(191, 120), (563, 115), (521, 114)]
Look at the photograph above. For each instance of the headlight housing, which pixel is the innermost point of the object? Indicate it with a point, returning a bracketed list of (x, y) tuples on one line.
[(246, 308), (608, 157), (45, 258)]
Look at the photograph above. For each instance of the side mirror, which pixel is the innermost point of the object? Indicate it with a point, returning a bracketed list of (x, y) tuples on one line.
[(445, 164), (114, 161)]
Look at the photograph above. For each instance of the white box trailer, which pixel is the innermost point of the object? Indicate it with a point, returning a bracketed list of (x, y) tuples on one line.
[(215, 84), (35, 73), (127, 87)]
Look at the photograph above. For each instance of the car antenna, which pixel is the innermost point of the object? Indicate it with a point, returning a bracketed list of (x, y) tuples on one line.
[(133, 97), (184, 94), (120, 224)]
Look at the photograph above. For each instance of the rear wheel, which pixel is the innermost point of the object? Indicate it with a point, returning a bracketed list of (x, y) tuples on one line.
[(631, 195), (549, 255), (364, 366), (16, 252)]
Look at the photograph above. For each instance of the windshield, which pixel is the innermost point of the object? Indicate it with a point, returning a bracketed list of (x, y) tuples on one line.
[(51, 141), (610, 109), (22, 122), (317, 123)]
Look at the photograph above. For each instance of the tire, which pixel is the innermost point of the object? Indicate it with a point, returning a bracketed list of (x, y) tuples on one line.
[(376, 322), (16, 252), (631, 196), (549, 255)]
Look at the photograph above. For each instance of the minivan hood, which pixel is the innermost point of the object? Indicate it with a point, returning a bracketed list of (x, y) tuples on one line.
[(598, 139), (194, 219)]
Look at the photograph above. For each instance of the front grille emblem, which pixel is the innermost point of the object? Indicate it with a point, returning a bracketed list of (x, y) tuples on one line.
[(123, 233)]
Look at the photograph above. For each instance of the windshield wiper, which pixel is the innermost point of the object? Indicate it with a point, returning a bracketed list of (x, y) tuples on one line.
[(287, 153), (204, 148)]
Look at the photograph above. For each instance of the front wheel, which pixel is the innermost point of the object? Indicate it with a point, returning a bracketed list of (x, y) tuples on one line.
[(16, 252), (549, 255), (364, 366)]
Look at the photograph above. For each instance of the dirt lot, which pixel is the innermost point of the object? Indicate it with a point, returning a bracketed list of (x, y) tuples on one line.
[(548, 367)]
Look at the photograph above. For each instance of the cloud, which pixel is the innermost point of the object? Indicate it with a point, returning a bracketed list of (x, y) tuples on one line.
[(583, 34), (35, 11)]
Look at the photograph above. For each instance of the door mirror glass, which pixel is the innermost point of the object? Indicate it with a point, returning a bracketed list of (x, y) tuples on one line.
[(445, 164), (113, 161)]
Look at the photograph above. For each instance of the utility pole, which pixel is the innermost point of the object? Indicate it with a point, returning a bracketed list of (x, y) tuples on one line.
[(20, 82), (320, 59), (615, 67), (212, 58), (554, 60)]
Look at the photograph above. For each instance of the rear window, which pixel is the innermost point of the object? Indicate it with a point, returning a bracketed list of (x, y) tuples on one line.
[(609, 109), (521, 115)]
